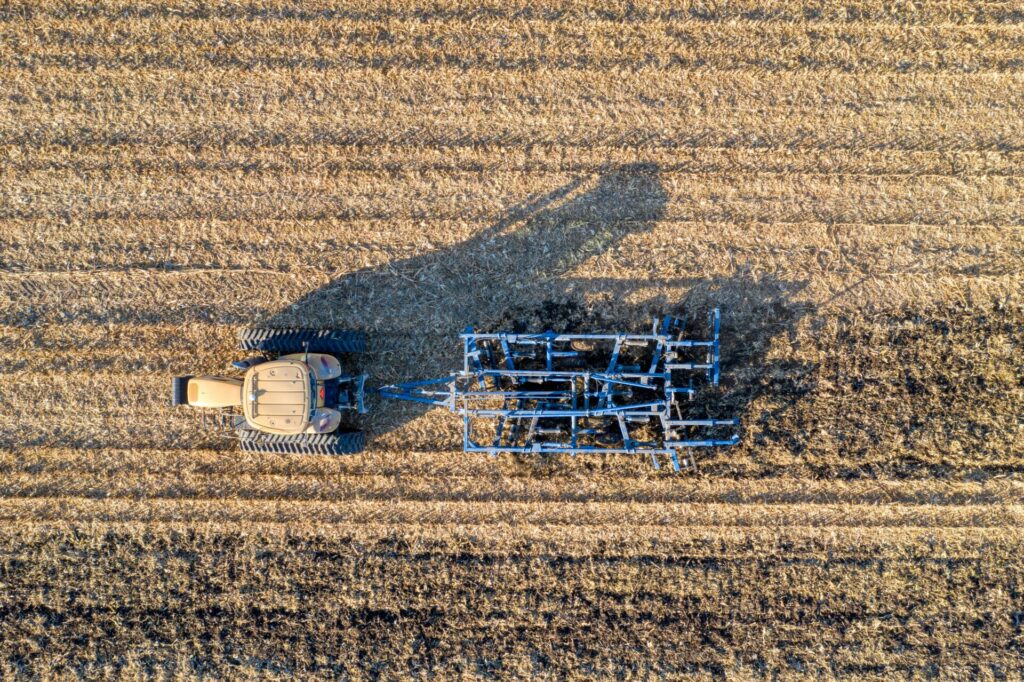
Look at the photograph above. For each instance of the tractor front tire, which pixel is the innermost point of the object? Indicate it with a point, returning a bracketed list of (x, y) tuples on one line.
[(297, 340), (336, 443)]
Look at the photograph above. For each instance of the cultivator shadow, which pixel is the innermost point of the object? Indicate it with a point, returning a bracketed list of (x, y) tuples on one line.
[(581, 393)]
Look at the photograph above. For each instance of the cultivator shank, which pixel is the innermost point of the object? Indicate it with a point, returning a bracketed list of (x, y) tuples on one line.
[(581, 393)]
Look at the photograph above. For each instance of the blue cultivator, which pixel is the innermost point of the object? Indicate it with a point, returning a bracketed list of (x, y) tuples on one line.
[(580, 393)]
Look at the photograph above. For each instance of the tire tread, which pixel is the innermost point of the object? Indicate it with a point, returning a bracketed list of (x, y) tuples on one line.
[(294, 340), (336, 443)]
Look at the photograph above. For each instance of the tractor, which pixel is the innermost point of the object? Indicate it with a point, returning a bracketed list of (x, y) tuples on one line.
[(292, 396), (541, 393)]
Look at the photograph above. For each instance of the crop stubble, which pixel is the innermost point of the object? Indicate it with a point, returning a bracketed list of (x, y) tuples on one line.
[(845, 183)]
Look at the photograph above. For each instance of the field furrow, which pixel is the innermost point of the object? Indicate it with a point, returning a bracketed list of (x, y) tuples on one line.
[(504, 44), (439, 511), (275, 92), (451, 11), (403, 161), (984, 130)]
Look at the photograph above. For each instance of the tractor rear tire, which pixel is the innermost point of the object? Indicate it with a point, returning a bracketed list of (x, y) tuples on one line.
[(295, 340), (336, 443)]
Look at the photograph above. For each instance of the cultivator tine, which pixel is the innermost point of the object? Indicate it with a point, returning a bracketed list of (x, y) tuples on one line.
[(673, 325), (616, 351), (533, 428), (498, 431), (626, 441), (507, 352), (716, 356), (473, 352), (675, 461)]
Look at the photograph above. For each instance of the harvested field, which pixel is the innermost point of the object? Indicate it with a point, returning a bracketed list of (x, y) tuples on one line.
[(846, 182)]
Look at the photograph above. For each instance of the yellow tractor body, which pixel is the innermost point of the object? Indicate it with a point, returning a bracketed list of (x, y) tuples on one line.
[(291, 402)]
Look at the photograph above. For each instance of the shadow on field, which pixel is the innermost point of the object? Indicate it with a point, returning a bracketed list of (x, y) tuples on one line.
[(413, 309), (757, 312), (518, 260), (516, 275)]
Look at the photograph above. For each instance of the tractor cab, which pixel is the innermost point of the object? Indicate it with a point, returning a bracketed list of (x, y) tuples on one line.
[(299, 393), (279, 396)]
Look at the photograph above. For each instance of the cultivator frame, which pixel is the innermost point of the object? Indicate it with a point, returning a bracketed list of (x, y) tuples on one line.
[(581, 393)]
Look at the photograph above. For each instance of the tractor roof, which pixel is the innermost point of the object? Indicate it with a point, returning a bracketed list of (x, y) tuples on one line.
[(276, 396)]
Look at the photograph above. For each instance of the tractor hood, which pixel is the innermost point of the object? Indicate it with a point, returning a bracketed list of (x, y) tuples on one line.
[(276, 396)]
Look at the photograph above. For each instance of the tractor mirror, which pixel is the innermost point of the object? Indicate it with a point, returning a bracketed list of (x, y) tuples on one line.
[(247, 363)]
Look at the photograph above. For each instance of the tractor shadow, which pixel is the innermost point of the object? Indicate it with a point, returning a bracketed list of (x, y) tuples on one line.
[(413, 309), (518, 274)]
